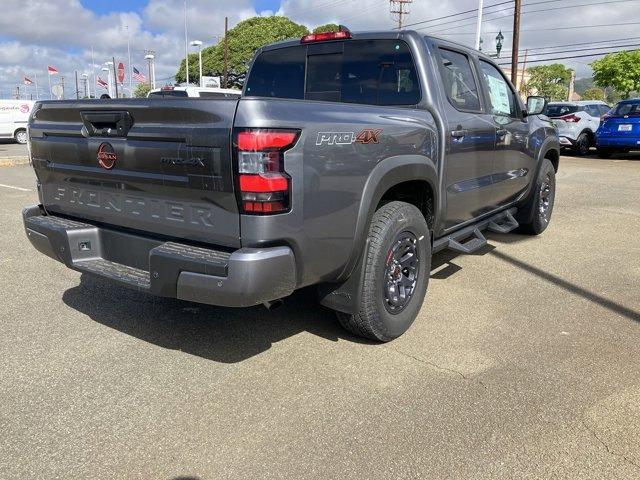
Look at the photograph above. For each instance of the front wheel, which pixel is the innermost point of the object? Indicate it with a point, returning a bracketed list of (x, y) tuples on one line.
[(539, 208), (21, 137), (397, 267)]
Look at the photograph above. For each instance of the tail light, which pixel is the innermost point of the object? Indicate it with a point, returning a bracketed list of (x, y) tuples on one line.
[(264, 187), (571, 118)]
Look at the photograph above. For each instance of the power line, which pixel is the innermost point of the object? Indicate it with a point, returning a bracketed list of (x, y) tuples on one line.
[(533, 11), (540, 60), (459, 13), (575, 45), (550, 29)]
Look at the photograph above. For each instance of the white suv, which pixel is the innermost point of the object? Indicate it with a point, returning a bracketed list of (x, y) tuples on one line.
[(577, 123), (190, 91)]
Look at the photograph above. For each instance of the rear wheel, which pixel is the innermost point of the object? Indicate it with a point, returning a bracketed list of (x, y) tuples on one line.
[(20, 136), (540, 206), (582, 145), (397, 268)]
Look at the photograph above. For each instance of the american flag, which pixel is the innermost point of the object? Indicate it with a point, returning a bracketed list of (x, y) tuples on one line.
[(27, 81), (137, 76), (102, 83)]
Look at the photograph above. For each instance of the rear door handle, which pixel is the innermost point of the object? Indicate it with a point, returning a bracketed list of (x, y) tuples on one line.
[(459, 134)]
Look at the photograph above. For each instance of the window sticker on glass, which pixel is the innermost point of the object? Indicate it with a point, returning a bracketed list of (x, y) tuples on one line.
[(499, 93)]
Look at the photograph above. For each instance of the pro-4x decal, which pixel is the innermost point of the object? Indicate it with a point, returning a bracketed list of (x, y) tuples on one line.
[(366, 136)]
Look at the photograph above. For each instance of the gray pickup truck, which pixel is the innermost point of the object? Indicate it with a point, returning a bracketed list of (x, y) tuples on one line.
[(347, 161)]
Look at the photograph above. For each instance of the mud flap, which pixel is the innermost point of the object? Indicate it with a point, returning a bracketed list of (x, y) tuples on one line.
[(345, 297)]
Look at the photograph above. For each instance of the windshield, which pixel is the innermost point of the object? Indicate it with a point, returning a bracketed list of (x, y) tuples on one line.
[(555, 110), (630, 109)]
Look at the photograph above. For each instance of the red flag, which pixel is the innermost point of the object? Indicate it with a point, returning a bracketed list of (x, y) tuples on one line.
[(52, 70), (102, 83), (27, 81)]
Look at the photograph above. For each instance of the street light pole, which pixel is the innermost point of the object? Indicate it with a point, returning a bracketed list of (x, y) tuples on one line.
[(479, 24), (186, 44), (198, 43)]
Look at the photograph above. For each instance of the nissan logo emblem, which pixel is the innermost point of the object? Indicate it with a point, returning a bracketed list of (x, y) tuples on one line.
[(106, 156)]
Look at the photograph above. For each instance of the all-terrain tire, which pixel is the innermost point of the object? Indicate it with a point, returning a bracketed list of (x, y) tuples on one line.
[(397, 229), (539, 208)]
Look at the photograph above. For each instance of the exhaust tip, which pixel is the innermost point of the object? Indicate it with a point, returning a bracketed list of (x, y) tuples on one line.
[(273, 304)]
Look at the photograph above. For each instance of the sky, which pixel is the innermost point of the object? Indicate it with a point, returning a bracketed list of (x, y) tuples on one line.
[(61, 33)]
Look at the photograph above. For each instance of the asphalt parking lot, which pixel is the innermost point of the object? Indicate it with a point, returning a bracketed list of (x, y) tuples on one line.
[(524, 363)]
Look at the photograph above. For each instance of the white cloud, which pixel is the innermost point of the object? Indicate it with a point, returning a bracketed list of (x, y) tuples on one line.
[(37, 33)]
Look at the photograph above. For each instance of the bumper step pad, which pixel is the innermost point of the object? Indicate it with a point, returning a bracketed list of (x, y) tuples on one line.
[(133, 277)]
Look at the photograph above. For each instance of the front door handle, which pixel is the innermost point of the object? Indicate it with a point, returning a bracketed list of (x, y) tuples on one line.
[(459, 134)]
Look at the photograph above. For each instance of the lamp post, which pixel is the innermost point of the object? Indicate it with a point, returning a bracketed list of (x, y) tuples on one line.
[(499, 39), (198, 43), (108, 70), (109, 67), (85, 80), (152, 70)]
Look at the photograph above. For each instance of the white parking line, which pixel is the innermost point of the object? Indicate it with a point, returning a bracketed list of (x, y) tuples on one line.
[(15, 188)]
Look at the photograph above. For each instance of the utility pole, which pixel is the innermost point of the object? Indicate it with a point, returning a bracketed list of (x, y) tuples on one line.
[(226, 53), (516, 42), (479, 24), (572, 85), (398, 10)]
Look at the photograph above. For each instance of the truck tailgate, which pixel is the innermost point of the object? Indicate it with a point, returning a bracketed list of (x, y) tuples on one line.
[(159, 166)]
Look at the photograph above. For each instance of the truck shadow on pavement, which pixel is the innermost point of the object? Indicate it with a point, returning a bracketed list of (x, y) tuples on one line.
[(226, 335)]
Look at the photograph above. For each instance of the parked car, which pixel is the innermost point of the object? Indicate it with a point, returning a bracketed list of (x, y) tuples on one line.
[(348, 160), (14, 115), (619, 131), (577, 123), (196, 92)]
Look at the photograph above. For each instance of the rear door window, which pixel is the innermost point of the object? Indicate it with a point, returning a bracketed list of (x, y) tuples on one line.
[(459, 81), (374, 72)]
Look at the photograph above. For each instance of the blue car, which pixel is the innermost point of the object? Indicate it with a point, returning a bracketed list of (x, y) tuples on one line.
[(619, 131)]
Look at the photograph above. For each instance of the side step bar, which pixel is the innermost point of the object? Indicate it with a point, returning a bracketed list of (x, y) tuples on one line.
[(502, 222), (476, 243)]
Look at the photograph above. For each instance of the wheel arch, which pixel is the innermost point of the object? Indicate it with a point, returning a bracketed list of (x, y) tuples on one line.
[(410, 178)]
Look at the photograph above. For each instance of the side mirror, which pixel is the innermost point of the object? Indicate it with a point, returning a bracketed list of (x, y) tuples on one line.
[(536, 105)]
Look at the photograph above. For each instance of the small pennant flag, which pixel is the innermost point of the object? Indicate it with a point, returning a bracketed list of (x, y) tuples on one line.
[(102, 83), (27, 81), (137, 76), (52, 70)]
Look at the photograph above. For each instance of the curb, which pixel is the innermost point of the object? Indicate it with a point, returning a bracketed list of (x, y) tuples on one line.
[(13, 161)]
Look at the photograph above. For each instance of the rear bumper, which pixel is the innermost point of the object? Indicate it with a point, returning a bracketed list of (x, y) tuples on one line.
[(618, 141), (242, 278)]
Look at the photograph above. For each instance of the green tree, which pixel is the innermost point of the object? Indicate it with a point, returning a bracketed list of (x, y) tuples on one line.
[(328, 27), (141, 90), (243, 40), (593, 94), (620, 71), (551, 81)]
